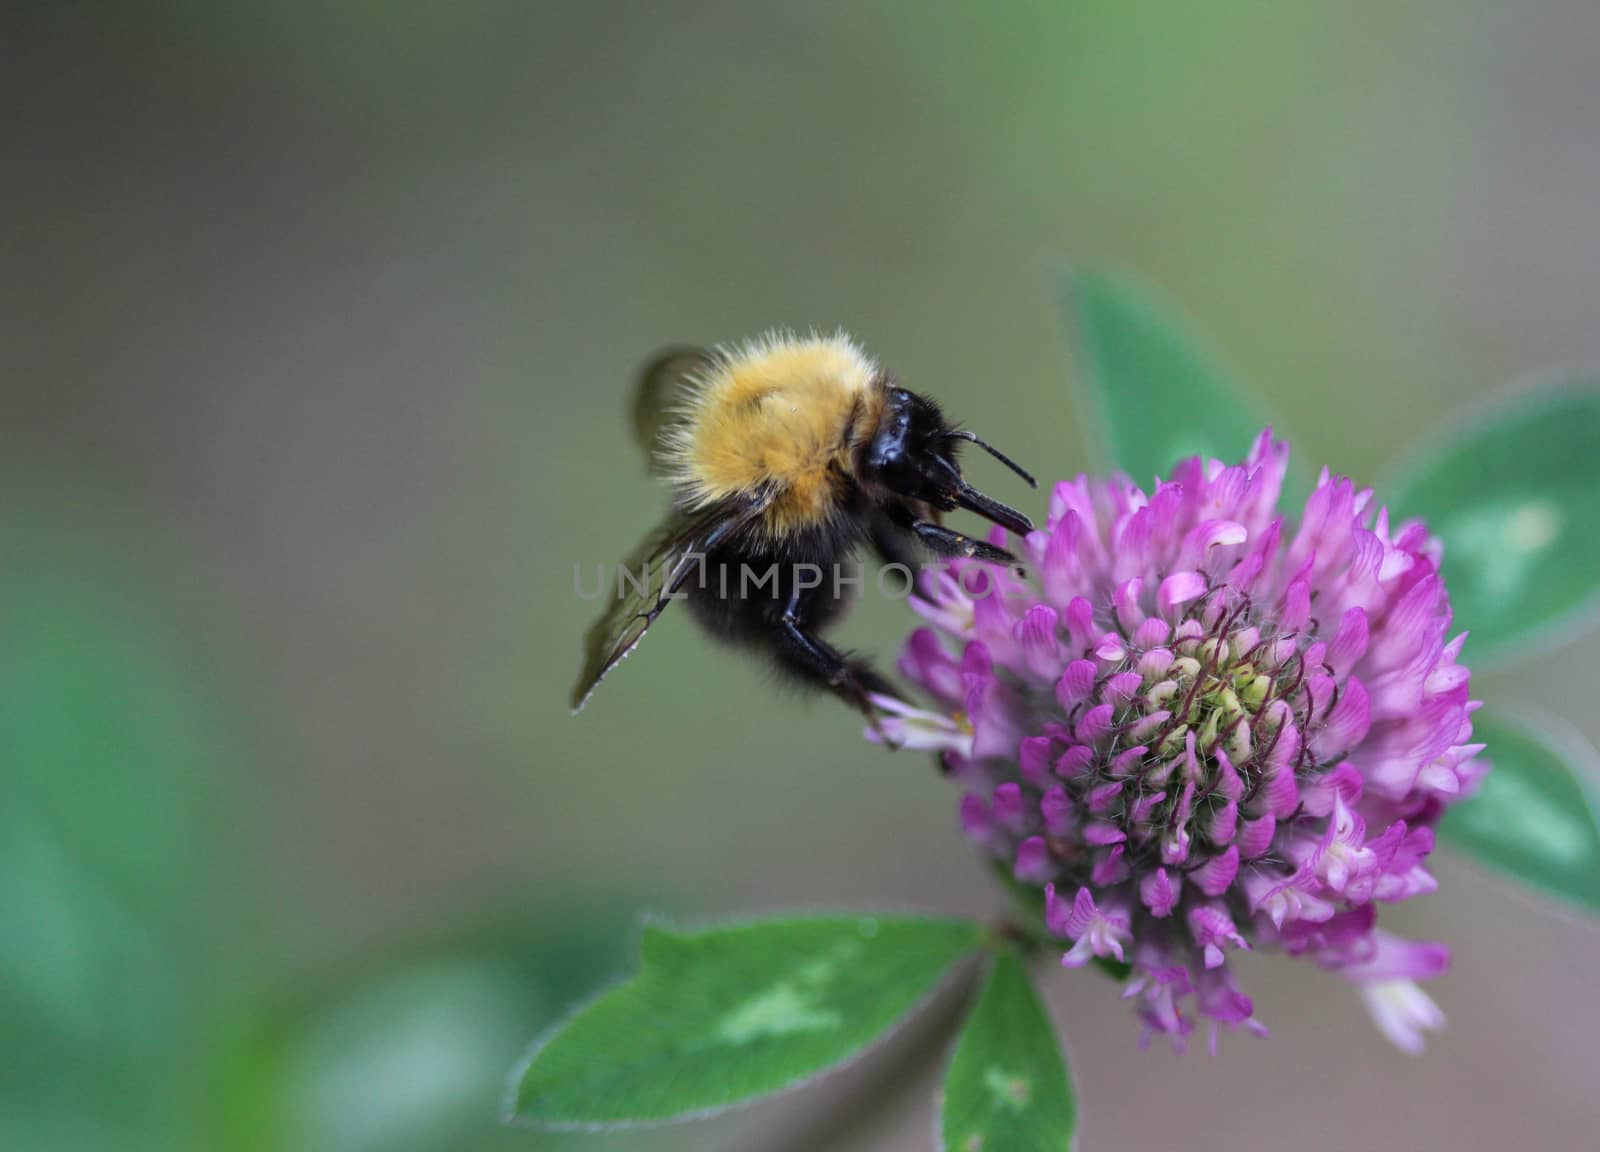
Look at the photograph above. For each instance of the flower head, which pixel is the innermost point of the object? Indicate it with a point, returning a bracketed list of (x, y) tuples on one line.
[(1208, 729)]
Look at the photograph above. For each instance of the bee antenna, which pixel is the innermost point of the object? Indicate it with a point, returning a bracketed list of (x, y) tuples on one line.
[(972, 438)]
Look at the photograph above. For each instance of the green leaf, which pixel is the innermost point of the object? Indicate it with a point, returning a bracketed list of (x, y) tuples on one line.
[(1514, 493), (1007, 1088), (721, 1015), (1536, 817), (1158, 395)]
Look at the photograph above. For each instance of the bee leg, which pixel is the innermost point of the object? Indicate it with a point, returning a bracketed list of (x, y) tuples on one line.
[(813, 659), (890, 542), (948, 542)]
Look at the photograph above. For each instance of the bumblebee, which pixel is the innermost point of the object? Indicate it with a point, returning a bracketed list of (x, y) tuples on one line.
[(787, 455)]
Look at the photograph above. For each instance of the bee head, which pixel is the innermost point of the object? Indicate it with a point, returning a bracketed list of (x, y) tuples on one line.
[(913, 455)]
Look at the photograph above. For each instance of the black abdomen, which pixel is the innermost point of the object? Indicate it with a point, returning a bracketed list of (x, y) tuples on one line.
[(743, 590)]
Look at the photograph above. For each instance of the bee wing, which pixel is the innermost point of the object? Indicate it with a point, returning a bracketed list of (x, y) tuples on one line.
[(661, 564), (662, 385)]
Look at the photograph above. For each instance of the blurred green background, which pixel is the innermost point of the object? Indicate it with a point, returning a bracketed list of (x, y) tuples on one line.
[(316, 329)]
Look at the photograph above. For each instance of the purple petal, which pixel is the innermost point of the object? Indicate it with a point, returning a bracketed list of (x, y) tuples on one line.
[(1034, 864), (1100, 833), (1009, 810), (1109, 869), (1158, 891), (1178, 589), (1074, 762), (1215, 876), (1033, 759), (1056, 809), (1076, 684)]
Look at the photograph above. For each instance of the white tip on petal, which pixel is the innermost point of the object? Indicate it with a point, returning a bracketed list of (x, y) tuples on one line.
[(1403, 1012), (917, 729)]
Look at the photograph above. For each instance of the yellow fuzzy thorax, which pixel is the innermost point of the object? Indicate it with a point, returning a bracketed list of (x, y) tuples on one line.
[(780, 415)]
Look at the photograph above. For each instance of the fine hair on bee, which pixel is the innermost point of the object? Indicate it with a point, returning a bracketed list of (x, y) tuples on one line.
[(785, 456)]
